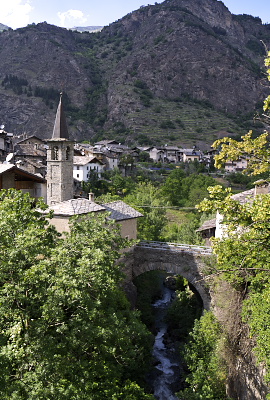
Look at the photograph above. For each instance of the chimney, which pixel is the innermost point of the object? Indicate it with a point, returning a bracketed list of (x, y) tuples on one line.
[(261, 187), (91, 196)]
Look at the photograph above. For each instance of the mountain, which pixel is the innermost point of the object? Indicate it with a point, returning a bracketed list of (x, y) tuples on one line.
[(180, 72), (3, 27), (87, 28)]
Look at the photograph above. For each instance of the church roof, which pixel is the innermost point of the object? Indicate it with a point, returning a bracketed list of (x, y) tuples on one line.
[(60, 130)]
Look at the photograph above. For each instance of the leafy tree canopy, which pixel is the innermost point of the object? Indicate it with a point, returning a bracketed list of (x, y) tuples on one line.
[(243, 254), (181, 190), (67, 331), (146, 199)]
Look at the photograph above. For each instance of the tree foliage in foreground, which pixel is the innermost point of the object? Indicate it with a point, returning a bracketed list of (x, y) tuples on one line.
[(243, 255), (67, 331)]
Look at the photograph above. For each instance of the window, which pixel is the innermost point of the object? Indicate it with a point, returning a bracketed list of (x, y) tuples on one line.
[(55, 153), (67, 153), (78, 175)]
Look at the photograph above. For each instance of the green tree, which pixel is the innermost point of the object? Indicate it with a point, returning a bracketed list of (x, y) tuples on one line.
[(172, 189), (184, 232), (207, 373), (118, 184), (182, 190), (67, 331), (147, 199), (243, 254)]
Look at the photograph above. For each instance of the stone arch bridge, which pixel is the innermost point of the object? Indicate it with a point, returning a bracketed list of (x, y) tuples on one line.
[(188, 261)]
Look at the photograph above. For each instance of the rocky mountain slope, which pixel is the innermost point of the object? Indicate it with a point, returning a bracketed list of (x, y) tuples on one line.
[(181, 72)]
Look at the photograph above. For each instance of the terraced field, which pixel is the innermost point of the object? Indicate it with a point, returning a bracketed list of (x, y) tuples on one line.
[(182, 123)]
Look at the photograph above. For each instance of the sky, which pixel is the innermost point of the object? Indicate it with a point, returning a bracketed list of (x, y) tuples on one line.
[(70, 13)]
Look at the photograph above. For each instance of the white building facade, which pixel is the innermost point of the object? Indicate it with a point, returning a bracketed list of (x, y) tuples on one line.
[(84, 165)]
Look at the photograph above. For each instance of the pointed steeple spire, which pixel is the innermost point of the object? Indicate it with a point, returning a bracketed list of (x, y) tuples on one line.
[(60, 130)]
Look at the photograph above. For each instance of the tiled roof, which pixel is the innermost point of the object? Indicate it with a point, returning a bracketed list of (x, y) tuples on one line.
[(75, 207), (35, 164), (121, 211)]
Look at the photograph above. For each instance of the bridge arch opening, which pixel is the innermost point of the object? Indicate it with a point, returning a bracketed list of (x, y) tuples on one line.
[(186, 264)]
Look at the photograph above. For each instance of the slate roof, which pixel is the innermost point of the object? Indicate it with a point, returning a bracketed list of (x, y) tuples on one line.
[(29, 150), (120, 211), (60, 130), (75, 207), (83, 160), (39, 140), (21, 172), (5, 167), (105, 142), (244, 197), (211, 223)]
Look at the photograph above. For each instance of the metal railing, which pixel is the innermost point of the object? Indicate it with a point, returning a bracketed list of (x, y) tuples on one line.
[(178, 247)]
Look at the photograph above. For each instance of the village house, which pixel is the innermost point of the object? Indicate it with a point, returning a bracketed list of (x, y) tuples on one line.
[(6, 144), (124, 215), (215, 227), (235, 166), (84, 165), (100, 151), (12, 177), (208, 230), (173, 154), (188, 155)]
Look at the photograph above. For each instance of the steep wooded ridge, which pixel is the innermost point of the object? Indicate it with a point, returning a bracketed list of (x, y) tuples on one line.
[(181, 71)]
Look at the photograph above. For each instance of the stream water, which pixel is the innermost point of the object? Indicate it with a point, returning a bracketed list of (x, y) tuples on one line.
[(167, 358)]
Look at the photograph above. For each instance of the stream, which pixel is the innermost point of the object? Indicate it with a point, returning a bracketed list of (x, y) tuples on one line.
[(168, 363)]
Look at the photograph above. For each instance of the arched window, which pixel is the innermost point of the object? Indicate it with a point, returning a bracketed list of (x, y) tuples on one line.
[(67, 153), (55, 153)]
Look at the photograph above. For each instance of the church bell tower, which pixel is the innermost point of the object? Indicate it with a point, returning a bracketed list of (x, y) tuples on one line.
[(60, 153)]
